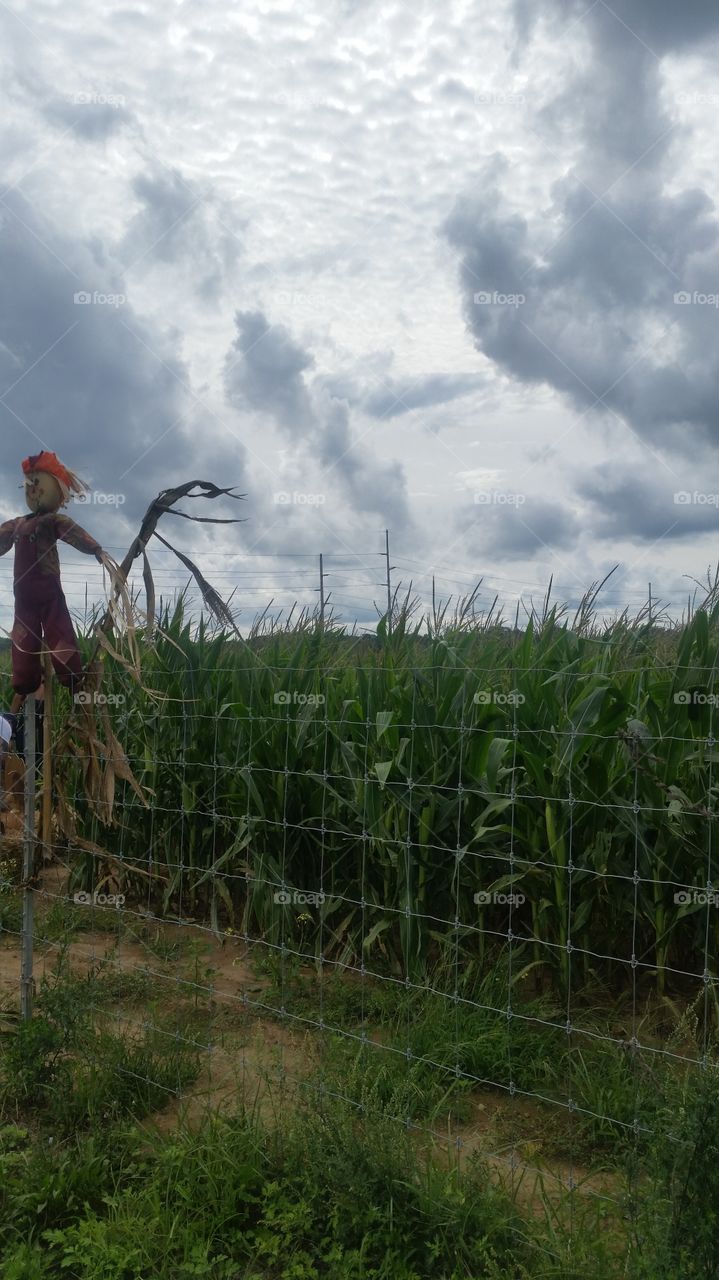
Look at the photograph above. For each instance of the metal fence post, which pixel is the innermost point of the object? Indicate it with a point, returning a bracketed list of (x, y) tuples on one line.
[(28, 869)]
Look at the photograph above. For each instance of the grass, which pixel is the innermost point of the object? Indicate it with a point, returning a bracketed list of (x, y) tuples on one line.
[(451, 1048), (74, 1072), (336, 1183)]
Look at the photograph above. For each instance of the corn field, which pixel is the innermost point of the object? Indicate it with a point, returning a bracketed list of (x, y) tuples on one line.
[(454, 785)]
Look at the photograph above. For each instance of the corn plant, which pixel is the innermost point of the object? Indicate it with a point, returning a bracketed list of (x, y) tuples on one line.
[(421, 778)]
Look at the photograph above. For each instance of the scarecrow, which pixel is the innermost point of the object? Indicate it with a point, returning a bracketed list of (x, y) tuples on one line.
[(41, 612)]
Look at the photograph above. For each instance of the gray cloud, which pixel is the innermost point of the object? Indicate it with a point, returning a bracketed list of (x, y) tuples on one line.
[(95, 383), (626, 503), (266, 370), (396, 396), (181, 220), (518, 531), (599, 271), (661, 25), (93, 121), (263, 371)]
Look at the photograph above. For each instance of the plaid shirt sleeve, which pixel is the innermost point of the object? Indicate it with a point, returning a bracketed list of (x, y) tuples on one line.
[(7, 535), (75, 536)]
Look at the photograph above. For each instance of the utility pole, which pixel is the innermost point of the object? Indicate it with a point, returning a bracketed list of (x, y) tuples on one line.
[(389, 582), (650, 604), (322, 593)]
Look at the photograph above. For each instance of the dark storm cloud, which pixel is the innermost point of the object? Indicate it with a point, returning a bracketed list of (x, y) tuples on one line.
[(515, 530), (624, 504), (266, 371), (596, 277), (91, 381)]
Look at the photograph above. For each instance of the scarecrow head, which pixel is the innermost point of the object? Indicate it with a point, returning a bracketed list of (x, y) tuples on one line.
[(48, 484)]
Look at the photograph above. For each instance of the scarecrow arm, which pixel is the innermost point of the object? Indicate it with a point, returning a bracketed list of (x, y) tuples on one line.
[(79, 538), (7, 535)]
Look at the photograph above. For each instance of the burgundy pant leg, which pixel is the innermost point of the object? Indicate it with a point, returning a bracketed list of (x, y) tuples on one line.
[(26, 637), (60, 638)]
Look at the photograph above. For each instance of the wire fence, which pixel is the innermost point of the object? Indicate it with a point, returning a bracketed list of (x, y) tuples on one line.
[(353, 585), (515, 882)]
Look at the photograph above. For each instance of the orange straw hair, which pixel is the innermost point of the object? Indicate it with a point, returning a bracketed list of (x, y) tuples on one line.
[(51, 464)]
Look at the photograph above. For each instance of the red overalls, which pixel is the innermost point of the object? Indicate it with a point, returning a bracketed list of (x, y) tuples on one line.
[(41, 611)]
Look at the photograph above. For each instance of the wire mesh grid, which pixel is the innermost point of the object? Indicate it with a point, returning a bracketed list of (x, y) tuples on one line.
[(433, 842)]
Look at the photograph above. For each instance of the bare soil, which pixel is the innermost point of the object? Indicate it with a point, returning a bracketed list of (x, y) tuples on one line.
[(254, 1059)]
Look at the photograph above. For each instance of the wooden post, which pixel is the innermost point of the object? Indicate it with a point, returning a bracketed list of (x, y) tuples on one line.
[(322, 593), (47, 759), (28, 864)]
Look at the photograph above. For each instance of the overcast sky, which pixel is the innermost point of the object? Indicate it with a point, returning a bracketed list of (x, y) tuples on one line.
[(450, 270)]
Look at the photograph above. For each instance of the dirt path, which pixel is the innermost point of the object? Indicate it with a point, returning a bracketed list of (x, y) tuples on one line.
[(255, 1059)]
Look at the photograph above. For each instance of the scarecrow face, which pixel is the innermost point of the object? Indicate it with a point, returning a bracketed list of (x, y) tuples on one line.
[(42, 492)]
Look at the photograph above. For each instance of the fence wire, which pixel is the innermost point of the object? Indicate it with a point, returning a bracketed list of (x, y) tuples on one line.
[(437, 858)]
